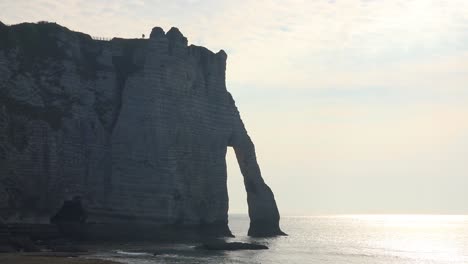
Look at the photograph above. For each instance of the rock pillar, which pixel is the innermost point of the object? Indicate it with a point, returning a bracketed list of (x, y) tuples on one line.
[(263, 212)]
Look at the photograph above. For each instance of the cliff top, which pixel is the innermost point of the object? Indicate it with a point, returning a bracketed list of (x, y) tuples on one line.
[(29, 35)]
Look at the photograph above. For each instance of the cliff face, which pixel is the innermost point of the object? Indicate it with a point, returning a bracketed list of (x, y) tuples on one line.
[(138, 128)]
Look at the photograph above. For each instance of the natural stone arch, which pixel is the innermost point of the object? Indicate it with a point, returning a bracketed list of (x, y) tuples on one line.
[(263, 211)]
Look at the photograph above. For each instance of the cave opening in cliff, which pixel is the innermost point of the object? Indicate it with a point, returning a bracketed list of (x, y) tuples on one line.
[(70, 218), (236, 190)]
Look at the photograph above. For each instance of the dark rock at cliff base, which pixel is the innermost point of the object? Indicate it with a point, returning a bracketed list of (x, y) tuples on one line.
[(63, 245), (23, 243), (70, 219), (265, 228), (7, 249), (68, 248), (220, 245), (4, 233)]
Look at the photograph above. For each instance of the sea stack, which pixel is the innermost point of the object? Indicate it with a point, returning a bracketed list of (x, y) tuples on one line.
[(137, 129)]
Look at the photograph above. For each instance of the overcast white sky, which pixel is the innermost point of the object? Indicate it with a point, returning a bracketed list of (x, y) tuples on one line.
[(354, 106)]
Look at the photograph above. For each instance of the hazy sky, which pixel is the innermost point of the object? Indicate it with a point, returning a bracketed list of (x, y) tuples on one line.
[(354, 106)]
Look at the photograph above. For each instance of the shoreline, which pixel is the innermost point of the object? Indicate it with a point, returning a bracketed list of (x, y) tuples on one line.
[(35, 258)]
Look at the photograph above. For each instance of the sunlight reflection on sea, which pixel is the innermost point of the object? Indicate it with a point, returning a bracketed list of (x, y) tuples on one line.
[(376, 239)]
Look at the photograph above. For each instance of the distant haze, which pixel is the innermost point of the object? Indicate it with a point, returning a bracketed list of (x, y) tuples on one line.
[(354, 106)]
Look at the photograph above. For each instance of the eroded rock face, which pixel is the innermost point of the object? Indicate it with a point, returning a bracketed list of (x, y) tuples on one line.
[(138, 128)]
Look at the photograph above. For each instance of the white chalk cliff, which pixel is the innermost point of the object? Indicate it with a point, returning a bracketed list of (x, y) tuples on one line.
[(138, 128)]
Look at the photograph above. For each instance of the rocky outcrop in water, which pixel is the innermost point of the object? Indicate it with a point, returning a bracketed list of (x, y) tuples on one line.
[(138, 128), (229, 246)]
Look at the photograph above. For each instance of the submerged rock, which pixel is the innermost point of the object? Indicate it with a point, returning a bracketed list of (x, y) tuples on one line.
[(232, 246)]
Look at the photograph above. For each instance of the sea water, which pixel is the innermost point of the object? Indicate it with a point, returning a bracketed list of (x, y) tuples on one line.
[(376, 239)]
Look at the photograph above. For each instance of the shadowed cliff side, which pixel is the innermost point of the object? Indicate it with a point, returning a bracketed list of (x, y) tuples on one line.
[(138, 128)]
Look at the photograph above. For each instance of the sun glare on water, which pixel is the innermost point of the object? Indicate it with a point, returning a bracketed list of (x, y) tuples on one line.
[(408, 219), (415, 235)]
